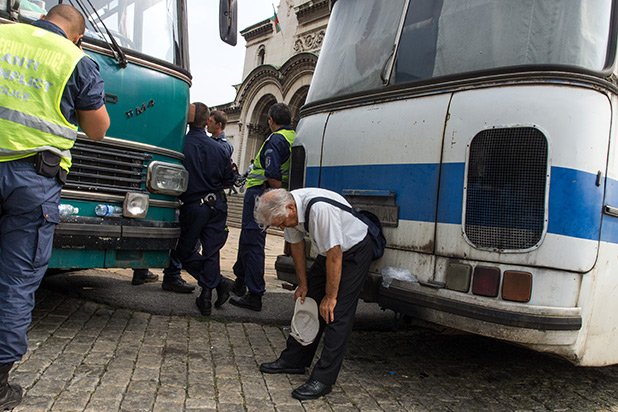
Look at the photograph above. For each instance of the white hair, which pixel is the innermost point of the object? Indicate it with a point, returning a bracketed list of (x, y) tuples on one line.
[(271, 205)]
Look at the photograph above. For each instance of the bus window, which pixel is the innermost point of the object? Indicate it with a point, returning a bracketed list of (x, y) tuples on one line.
[(147, 27), (357, 49), (448, 37), (417, 57)]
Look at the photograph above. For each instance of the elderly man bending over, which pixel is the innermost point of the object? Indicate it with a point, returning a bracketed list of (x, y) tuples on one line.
[(335, 280)]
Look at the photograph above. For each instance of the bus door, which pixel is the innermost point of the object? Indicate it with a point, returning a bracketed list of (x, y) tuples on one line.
[(385, 157), (521, 177)]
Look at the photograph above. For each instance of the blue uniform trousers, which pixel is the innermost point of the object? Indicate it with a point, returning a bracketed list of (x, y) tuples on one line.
[(355, 267), (249, 266), (205, 225), (28, 217)]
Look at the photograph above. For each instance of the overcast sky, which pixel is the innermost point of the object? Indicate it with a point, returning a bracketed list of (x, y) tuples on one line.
[(217, 66)]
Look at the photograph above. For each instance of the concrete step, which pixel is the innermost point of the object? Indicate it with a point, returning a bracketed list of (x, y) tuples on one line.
[(234, 213)]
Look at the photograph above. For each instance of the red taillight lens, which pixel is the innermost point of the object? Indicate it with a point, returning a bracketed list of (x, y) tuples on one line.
[(486, 281), (517, 286)]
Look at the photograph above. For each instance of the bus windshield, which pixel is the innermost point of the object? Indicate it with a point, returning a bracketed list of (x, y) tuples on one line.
[(150, 27), (449, 37)]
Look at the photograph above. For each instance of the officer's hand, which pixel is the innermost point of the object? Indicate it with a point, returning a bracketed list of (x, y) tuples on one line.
[(301, 292), (327, 309)]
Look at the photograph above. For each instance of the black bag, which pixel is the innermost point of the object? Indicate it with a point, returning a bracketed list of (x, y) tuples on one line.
[(374, 226), (47, 163)]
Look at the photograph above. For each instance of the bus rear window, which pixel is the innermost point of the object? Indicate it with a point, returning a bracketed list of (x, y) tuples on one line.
[(446, 37), (357, 47)]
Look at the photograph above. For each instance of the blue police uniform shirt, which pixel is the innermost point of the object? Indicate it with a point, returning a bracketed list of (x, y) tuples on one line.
[(222, 140), (208, 164), (84, 89), (275, 152)]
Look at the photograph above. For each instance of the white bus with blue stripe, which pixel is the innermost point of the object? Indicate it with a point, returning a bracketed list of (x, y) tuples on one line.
[(483, 134)]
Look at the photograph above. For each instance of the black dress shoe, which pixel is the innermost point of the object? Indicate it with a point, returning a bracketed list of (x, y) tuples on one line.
[(140, 279), (239, 288), (10, 396), (311, 389), (204, 302), (223, 292), (280, 366), (249, 301), (177, 285)]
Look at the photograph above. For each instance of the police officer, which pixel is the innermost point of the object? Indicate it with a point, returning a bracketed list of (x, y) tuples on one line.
[(216, 126), (335, 279), (49, 87), (203, 215), (270, 170)]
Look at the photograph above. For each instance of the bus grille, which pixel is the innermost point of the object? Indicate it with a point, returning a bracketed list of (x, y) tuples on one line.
[(505, 190), (107, 168)]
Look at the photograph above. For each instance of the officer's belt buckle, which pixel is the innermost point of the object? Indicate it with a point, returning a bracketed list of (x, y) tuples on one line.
[(210, 199)]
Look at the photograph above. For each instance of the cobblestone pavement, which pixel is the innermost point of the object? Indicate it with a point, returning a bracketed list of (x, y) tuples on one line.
[(87, 356)]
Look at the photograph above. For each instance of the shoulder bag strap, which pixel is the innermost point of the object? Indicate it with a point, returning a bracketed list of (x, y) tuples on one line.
[(327, 200)]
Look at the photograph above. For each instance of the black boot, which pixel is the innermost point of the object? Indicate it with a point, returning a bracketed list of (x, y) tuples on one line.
[(10, 395), (249, 301), (204, 302), (239, 288), (177, 285), (141, 276), (223, 292)]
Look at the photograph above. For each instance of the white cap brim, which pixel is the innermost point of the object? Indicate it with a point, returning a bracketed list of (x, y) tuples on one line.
[(305, 322)]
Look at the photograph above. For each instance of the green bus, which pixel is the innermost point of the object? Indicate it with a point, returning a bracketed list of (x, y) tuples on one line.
[(119, 205)]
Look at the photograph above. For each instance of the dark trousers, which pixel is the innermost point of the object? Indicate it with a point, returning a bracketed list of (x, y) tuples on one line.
[(249, 265), (200, 225), (28, 217), (336, 334)]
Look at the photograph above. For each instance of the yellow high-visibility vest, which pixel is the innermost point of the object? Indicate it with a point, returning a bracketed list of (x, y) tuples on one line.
[(35, 65), (257, 177)]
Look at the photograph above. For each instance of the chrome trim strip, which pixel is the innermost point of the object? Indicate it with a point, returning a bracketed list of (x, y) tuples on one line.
[(470, 82), (139, 146), (611, 210), (102, 197), (140, 62), (88, 229), (151, 232)]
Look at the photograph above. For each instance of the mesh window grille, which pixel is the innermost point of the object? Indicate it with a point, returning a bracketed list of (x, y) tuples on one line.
[(505, 190)]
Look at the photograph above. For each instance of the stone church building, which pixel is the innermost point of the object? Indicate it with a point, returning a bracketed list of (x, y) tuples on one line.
[(278, 67)]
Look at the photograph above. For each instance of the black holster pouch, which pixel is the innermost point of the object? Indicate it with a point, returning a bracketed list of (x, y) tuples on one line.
[(47, 164)]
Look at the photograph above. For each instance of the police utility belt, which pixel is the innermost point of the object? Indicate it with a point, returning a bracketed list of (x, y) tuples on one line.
[(209, 199), (47, 164)]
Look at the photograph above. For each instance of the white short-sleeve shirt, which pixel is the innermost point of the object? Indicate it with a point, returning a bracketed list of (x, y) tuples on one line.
[(329, 225)]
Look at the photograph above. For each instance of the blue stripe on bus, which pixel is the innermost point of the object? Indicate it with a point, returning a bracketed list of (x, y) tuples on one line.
[(575, 202), (413, 185)]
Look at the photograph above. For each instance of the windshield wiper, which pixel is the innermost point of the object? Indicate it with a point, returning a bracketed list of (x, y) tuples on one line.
[(119, 55)]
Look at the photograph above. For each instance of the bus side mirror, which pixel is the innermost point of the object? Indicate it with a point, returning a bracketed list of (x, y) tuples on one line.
[(228, 21)]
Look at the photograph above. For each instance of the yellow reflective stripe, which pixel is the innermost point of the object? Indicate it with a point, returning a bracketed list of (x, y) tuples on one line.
[(17, 154), (257, 176), (37, 123)]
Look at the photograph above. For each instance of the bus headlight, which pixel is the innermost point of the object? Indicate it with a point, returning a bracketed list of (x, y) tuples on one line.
[(135, 205), (167, 178)]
